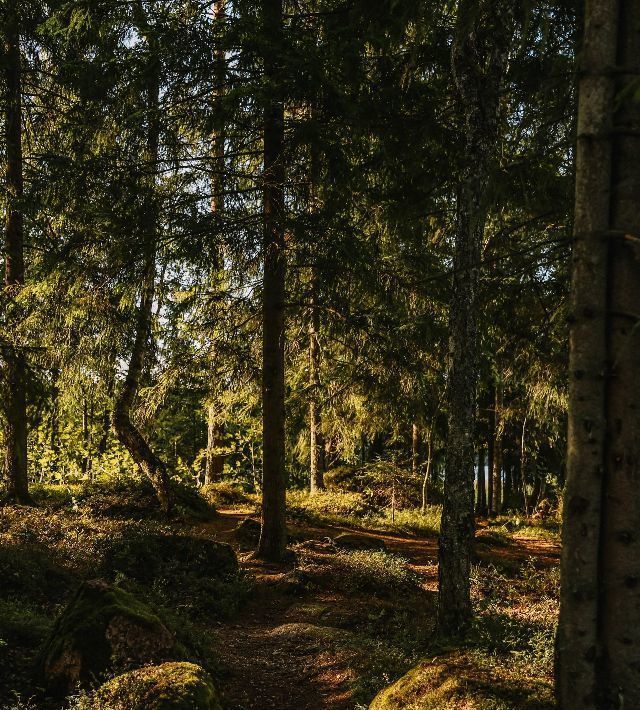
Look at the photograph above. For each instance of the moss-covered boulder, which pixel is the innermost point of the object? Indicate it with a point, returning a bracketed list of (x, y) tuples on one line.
[(463, 680), (354, 541), (102, 628), (146, 557), (170, 686)]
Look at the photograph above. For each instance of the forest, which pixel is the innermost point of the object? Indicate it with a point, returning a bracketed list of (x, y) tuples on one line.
[(319, 355)]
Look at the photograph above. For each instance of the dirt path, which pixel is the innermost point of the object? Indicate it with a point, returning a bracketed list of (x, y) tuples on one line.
[(270, 657)]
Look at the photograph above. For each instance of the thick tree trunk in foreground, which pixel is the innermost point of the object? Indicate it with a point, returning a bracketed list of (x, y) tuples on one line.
[(479, 54), (598, 645), (496, 473), (126, 431), (15, 405), (273, 534)]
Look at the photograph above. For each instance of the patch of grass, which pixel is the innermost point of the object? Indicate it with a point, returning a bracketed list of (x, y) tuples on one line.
[(412, 520), (355, 509), (374, 571), (227, 494), (22, 623), (327, 507)]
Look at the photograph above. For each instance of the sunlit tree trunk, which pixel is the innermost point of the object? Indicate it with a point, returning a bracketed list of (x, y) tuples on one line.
[(214, 460), (479, 53), (15, 405), (273, 528), (598, 643), (491, 412), (128, 434)]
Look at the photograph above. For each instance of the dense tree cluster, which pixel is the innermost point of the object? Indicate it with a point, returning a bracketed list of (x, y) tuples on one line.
[(268, 241)]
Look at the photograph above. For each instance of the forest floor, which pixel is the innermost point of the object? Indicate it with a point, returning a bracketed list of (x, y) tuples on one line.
[(329, 629), (278, 635)]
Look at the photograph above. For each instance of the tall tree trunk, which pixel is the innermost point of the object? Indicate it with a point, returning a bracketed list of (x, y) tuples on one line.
[(481, 504), (491, 419), (479, 53), (15, 405), (215, 458), (273, 534), (315, 414), (598, 641), (85, 434), (54, 441), (128, 434), (497, 450)]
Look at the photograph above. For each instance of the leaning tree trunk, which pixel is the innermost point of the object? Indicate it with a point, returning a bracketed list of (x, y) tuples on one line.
[(128, 434), (479, 56), (598, 644), (273, 534), (15, 405)]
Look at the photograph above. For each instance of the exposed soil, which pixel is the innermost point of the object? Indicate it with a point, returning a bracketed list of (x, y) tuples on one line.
[(271, 657)]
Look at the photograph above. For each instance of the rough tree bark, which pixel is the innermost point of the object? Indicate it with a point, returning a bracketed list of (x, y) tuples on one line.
[(128, 434), (15, 405), (479, 54), (273, 535), (598, 643), (214, 460)]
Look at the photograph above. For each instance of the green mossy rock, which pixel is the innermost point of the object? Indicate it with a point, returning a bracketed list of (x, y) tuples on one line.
[(147, 557), (102, 628), (170, 686), (353, 541), (462, 680)]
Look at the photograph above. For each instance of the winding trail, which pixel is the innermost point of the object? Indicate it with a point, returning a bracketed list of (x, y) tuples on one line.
[(269, 660)]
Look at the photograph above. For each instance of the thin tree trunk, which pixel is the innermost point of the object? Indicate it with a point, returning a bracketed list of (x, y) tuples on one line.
[(106, 413), (15, 405), (273, 535), (497, 450), (481, 505), (315, 414), (54, 441), (415, 449), (84, 466), (523, 468), (598, 642), (491, 447), (128, 434), (479, 53), (427, 471), (215, 458)]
